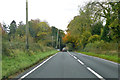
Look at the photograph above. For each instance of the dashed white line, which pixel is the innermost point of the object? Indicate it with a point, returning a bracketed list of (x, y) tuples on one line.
[(96, 74), (75, 57), (99, 58), (80, 62), (35, 68), (100, 77)]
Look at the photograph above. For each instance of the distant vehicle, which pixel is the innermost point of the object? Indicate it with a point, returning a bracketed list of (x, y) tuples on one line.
[(64, 50)]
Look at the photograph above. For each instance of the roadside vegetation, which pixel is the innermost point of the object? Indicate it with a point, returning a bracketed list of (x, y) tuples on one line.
[(96, 30), (22, 61), (108, 56), (42, 41)]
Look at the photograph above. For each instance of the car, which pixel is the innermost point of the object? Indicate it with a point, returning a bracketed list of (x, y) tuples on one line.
[(64, 50)]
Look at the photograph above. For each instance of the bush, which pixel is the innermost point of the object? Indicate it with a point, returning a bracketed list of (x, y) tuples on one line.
[(101, 47), (70, 46), (5, 49), (94, 38)]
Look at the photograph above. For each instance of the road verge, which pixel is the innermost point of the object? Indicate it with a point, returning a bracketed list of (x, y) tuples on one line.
[(15, 65), (113, 58)]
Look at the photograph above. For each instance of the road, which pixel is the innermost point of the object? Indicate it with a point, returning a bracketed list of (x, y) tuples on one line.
[(72, 66)]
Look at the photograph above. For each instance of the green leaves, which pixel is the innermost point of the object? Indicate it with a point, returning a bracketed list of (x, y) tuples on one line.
[(94, 38), (88, 27)]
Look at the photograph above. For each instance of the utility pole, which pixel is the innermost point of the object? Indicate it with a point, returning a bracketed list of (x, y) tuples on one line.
[(27, 28), (52, 41), (59, 43), (57, 39), (118, 39)]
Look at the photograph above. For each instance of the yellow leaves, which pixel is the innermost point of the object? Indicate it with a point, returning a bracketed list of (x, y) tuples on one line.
[(41, 34), (94, 38), (65, 38)]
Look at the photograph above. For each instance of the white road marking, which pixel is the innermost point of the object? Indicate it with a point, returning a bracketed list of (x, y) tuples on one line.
[(99, 58), (75, 57), (96, 74), (69, 53), (36, 68), (80, 61)]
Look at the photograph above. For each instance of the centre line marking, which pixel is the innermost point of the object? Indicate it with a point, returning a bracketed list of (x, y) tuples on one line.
[(80, 62), (75, 57), (96, 74)]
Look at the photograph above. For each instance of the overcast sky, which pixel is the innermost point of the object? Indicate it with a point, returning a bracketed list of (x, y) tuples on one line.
[(57, 13)]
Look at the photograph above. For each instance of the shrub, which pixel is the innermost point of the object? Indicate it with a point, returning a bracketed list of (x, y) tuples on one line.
[(70, 46), (101, 47), (94, 38), (5, 49)]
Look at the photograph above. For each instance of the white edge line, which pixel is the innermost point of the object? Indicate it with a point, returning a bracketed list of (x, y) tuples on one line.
[(80, 62), (100, 77), (36, 67)]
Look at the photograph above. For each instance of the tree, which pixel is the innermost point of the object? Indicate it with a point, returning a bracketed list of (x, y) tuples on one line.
[(94, 38), (61, 35), (105, 10), (5, 28), (44, 31), (96, 28), (54, 35), (85, 37), (80, 27), (12, 28), (20, 31), (1, 29)]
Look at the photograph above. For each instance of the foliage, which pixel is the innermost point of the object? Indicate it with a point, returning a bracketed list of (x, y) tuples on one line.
[(104, 56), (12, 28), (20, 31), (85, 38), (97, 23), (69, 47), (68, 39), (101, 47), (96, 28), (40, 37), (21, 61), (94, 38), (14, 41)]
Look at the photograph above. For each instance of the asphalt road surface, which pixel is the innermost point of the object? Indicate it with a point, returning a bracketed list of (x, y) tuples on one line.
[(70, 65)]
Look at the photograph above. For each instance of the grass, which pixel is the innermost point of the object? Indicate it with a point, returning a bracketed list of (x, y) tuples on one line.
[(113, 58), (0, 70), (22, 61)]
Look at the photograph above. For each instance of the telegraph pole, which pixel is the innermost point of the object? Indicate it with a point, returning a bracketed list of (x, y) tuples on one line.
[(57, 39), (118, 39), (27, 28), (52, 41), (59, 43)]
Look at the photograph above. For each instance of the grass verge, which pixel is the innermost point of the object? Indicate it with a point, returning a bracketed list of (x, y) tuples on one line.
[(113, 58), (22, 61)]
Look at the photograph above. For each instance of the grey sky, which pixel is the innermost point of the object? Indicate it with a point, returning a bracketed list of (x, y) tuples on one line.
[(57, 13)]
